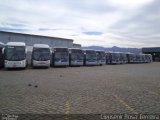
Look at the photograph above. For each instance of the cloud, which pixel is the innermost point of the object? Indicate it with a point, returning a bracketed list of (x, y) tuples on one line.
[(93, 33), (124, 23)]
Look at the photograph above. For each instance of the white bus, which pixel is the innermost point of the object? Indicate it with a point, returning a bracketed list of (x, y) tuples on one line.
[(148, 58), (76, 57), (15, 55), (41, 55), (60, 56), (90, 57), (143, 58), (114, 57), (131, 57), (139, 58), (123, 58), (101, 57)]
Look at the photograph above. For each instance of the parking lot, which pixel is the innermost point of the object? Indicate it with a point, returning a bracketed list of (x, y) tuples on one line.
[(115, 89)]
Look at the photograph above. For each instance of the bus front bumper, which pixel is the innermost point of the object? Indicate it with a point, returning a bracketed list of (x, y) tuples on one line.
[(76, 63), (91, 63), (41, 63), (15, 64), (61, 63)]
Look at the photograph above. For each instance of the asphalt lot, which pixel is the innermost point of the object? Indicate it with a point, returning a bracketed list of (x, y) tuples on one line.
[(115, 89)]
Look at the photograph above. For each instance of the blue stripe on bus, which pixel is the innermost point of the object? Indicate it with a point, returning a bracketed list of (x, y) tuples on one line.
[(77, 60)]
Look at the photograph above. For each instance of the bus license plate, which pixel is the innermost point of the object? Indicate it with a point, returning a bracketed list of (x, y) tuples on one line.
[(42, 63)]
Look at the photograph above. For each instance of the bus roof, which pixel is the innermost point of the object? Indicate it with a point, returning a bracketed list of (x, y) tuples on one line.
[(88, 50), (60, 47), (41, 46), (75, 49), (16, 44), (100, 51)]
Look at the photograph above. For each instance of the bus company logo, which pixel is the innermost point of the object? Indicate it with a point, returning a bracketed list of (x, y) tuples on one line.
[(9, 117)]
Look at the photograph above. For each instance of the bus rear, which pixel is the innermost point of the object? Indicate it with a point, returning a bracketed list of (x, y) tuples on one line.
[(60, 57), (76, 57), (90, 57), (101, 57), (15, 55), (41, 55)]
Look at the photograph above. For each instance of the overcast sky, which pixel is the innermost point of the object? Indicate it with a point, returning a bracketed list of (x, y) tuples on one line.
[(123, 23)]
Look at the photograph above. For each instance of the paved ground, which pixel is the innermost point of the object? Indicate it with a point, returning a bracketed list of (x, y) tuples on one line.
[(130, 88)]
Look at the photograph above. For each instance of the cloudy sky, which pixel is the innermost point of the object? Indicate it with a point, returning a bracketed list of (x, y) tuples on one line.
[(123, 23)]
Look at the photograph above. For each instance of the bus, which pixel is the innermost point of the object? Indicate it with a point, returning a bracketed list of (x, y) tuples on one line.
[(131, 57), (101, 57), (139, 58), (41, 55), (143, 58), (1, 55), (60, 56), (123, 58), (150, 58), (76, 57), (90, 57), (114, 58), (15, 55)]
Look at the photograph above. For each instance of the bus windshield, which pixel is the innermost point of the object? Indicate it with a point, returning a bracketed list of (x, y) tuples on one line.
[(76, 56), (15, 53), (90, 55), (123, 56), (41, 54), (61, 55), (100, 55), (115, 56)]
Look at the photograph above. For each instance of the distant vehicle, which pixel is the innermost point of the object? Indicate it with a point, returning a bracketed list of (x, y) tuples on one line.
[(60, 56), (1, 55), (114, 57), (90, 57), (148, 58), (101, 57), (41, 56), (15, 55), (123, 58), (131, 57), (76, 57)]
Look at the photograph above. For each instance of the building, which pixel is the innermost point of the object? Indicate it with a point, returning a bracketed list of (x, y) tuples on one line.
[(30, 39), (155, 51)]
